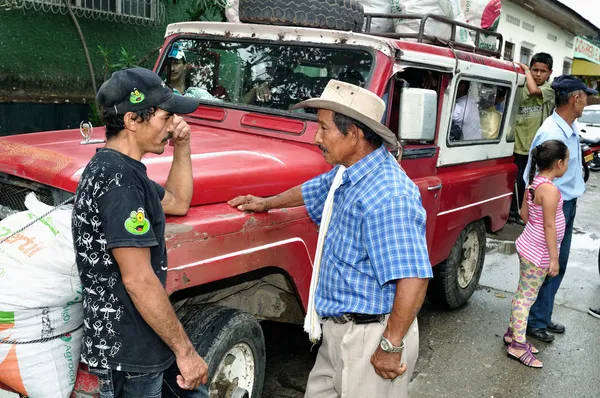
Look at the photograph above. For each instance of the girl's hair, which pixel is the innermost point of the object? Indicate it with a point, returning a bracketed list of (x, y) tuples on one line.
[(543, 158)]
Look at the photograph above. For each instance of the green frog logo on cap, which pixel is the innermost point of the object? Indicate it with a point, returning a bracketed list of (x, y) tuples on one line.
[(136, 96), (137, 223)]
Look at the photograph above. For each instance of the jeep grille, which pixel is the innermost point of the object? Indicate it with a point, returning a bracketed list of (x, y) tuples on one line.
[(13, 191)]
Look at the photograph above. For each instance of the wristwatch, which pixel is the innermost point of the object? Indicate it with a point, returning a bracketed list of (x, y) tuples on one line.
[(387, 346)]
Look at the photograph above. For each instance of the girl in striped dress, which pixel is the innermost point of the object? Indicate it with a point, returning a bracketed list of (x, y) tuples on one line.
[(539, 244)]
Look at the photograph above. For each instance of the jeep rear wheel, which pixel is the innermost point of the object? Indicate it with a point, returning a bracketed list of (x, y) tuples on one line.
[(233, 346), (345, 15), (455, 280)]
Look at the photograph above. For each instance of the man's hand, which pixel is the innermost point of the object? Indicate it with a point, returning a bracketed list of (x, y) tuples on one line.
[(181, 131), (522, 65), (387, 364), (250, 203), (193, 369), (553, 268), (262, 93)]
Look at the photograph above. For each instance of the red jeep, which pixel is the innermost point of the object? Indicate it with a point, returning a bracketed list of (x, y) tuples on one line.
[(452, 109)]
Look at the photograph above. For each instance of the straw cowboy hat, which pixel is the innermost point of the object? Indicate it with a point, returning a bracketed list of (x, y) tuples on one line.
[(357, 103)]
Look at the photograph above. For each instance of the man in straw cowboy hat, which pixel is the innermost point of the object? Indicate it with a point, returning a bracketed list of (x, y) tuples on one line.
[(371, 270)]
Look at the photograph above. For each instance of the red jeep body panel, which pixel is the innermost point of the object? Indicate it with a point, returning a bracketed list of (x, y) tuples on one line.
[(242, 151)]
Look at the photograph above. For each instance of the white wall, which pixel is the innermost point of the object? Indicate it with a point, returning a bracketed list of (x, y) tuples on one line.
[(538, 38)]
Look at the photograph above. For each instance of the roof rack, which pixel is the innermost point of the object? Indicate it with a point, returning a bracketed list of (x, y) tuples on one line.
[(434, 40)]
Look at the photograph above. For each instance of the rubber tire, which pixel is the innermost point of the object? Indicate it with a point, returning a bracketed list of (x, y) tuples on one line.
[(346, 15), (594, 167), (586, 173), (443, 290), (215, 329)]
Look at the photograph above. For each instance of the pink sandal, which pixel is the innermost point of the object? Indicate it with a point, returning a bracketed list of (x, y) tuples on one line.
[(508, 338), (527, 358)]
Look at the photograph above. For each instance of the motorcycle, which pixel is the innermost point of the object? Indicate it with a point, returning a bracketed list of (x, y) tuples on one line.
[(589, 133), (587, 156)]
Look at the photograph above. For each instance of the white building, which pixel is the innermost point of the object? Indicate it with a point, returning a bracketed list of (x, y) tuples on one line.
[(532, 26)]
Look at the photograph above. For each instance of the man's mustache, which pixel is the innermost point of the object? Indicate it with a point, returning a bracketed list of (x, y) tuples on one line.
[(167, 138)]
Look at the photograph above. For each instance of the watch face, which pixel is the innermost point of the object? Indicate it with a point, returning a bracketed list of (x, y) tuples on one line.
[(385, 345)]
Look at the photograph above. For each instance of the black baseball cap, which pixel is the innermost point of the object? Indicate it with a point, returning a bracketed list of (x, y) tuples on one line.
[(568, 83), (135, 89)]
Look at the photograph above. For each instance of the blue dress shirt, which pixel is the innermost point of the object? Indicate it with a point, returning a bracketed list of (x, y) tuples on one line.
[(376, 235)]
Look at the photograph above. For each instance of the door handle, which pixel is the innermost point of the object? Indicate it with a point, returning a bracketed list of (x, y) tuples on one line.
[(435, 187)]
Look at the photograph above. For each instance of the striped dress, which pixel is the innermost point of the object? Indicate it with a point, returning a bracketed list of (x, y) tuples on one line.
[(532, 243)]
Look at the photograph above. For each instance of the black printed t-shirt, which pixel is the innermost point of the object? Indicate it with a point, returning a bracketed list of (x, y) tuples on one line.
[(117, 205)]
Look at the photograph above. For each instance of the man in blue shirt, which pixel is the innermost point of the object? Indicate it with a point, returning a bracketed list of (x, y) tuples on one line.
[(571, 98), (374, 266)]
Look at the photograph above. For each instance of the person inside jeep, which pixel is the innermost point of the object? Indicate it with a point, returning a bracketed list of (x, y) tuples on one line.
[(466, 125), (179, 78)]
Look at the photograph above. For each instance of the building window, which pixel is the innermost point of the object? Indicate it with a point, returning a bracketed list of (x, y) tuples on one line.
[(513, 20), (525, 55), (509, 51), (569, 44), (134, 8), (528, 26), (552, 37), (566, 67), (138, 12)]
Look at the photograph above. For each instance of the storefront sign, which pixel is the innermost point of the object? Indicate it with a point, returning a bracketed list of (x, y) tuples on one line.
[(586, 50)]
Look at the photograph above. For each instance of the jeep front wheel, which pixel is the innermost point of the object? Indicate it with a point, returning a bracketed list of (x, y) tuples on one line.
[(455, 280), (233, 346), (345, 15)]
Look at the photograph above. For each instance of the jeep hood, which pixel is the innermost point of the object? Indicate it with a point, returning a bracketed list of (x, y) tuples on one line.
[(225, 163)]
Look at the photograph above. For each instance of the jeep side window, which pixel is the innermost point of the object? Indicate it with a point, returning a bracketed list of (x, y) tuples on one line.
[(409, 78), (478, 112)]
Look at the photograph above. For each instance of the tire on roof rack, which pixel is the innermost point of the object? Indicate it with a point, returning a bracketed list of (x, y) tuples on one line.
[(347, 15)]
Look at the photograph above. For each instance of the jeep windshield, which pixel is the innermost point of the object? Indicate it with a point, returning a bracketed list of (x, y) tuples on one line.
[(275, 76)]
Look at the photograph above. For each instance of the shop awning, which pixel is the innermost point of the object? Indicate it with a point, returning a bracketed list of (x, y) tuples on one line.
[(582, 67)]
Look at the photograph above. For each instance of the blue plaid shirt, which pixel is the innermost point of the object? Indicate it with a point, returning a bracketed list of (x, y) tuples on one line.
[(376, 236)]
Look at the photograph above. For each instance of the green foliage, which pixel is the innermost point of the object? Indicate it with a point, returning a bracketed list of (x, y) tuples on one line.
[(94, 115), (206, 10), (126, 60)]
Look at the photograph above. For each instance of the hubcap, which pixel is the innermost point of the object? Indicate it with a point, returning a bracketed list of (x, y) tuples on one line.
[(470, 258), (234, 377)]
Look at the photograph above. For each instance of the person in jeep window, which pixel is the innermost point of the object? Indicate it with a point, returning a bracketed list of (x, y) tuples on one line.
[(131, 334), (372, 267), (180, 79), (536, 103)]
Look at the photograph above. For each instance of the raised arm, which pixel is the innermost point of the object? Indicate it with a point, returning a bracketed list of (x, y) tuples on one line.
[(532, 86), (180, 184)]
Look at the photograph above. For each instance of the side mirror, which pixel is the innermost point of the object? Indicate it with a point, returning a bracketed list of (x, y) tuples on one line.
[(418, 114)]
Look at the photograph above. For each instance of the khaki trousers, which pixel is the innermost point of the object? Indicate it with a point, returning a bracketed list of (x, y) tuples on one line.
[(343, 368)]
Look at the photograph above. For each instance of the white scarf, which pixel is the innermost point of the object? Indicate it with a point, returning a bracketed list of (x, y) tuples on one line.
[(312, 322)]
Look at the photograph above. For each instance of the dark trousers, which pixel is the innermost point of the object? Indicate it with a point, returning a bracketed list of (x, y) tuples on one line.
[(117, 384), (541, 312), (517, 200)]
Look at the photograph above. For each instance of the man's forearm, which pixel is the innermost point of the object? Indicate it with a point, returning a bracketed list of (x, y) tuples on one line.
[(290, 198), (152, 302), (410, 294), (180, 181)]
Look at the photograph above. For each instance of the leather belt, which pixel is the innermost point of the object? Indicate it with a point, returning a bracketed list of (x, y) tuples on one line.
[(357, 318)]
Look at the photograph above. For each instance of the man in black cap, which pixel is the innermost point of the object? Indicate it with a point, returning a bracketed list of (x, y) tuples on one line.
[(131, 333), (571, 98)]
